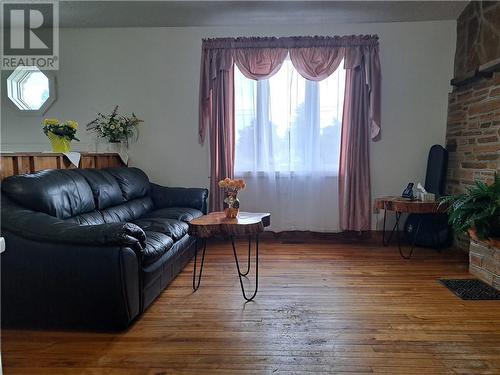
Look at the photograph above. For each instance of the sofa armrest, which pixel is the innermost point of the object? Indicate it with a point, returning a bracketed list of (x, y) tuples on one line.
[(57, 285), (164, 197), (38, 226)]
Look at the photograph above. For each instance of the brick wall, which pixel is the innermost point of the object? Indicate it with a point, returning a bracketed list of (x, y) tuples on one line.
[(473, 129), (484, 262), (473, 133), (478, 36)]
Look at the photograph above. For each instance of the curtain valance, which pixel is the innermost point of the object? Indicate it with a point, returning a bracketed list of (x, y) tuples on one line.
[(315, 58), (291, 42), (259, 63)]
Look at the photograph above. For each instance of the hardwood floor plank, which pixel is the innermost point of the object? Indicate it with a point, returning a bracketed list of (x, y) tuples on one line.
[(322, 307)]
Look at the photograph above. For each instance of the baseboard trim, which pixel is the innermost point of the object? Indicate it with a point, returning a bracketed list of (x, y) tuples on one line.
[(303, 236)]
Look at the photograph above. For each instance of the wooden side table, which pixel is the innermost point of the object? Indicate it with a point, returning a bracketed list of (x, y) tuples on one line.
[(399, 206), (245, 224)]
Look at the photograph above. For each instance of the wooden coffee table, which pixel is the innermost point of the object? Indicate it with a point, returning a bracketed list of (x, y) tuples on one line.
[(399, 206), (245, 224)]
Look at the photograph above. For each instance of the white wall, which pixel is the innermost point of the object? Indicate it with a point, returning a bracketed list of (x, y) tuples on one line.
[(155, 73)]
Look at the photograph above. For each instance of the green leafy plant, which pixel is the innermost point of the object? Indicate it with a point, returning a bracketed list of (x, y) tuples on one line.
[(478, 207), (115, 127), (67, 129)]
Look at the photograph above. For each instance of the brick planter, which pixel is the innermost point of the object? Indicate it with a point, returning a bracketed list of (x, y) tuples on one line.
[(484, 262)]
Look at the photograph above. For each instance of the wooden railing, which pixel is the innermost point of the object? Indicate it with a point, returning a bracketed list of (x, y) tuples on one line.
[(29, 162)]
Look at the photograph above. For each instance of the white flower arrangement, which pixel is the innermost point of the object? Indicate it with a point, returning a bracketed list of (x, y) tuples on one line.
[(115, 127)]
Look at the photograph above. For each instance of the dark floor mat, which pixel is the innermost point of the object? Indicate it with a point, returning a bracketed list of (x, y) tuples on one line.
[(471, 289)]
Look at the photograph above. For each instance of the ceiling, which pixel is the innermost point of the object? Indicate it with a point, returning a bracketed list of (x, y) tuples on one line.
[(233, 13)]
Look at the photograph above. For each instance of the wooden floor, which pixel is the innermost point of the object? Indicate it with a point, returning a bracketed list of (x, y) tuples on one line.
[(322, 307)]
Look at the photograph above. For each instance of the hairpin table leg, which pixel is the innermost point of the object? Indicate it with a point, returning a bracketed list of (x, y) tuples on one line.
[(256, 266), (203, 241), (248, 260), (396, 225)]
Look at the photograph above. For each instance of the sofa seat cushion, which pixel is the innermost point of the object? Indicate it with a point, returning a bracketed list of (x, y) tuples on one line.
[(157, 244), (128, 211), (178, 213), (173, 228), (89, 218)]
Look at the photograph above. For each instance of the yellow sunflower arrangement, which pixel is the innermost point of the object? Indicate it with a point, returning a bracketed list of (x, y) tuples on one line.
[(60, 134)]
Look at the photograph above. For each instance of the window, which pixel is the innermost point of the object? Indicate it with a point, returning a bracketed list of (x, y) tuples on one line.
[(287, 123), (30, 89)]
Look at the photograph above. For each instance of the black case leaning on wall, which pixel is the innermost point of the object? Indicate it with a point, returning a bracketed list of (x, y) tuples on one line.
[(434, 229)]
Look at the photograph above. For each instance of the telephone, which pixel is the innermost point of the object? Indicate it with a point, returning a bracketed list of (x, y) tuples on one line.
[(408, 191)]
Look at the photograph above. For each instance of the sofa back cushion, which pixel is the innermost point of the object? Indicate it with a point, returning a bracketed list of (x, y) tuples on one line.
[(133, 182), (120, 194), (105, 188), (85, 196), (57, 192)]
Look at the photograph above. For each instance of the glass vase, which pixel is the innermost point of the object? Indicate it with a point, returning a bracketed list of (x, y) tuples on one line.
[(232, 207)]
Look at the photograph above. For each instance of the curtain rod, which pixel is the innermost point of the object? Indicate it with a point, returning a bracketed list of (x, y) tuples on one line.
[(291, 42)]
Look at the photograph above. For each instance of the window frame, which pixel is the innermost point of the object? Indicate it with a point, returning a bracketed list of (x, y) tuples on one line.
[(14, 92)]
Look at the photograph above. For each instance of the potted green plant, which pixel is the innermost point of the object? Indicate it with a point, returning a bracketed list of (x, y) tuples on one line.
[(115, 127), (477, 211), (60, 134)]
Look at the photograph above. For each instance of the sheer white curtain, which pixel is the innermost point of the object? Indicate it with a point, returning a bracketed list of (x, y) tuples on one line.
[(287, 147)]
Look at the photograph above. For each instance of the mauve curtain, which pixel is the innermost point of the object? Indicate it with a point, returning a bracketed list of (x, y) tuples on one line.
[(315, 58), (316, 63), (217, 115), (360, 122), (259, 63)]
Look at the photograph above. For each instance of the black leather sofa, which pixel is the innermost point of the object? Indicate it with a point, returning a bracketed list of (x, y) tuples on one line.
[(91, 248)]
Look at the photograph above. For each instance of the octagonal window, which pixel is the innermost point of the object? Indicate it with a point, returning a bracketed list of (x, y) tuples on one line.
[(30, 89)]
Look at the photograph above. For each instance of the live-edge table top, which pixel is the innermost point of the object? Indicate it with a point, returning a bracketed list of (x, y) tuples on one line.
[(400, 204), (215, 223)]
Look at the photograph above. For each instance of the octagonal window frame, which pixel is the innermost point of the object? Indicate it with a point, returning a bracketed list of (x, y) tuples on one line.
[(14, 82)]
